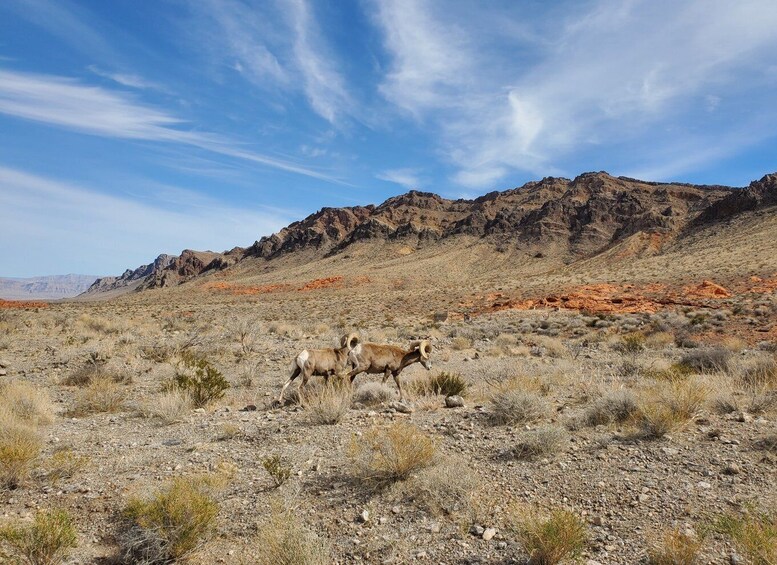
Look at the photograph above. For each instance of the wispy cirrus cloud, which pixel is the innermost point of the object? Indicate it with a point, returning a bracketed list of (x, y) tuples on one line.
[(127, 79), (408, 178), (46, 220), (67, 103), (587, 85)]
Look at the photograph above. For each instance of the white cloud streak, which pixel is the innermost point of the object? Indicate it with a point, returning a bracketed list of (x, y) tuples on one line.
[(54, 227), (69, 104), (407, 178), (127, 79)]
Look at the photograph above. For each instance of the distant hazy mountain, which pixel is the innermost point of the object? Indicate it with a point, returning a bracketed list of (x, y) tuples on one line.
[(51, 287)]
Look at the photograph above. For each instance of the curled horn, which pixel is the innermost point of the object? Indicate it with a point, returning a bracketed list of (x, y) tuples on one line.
[(350, 340), (423, 345)]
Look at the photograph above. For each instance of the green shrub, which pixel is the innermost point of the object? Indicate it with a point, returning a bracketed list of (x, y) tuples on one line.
[(20, 447), (199, 379), (632, 343), (754, 533), (46, 541), (549, 541), (674, 548), (448, 384), (278, 469)]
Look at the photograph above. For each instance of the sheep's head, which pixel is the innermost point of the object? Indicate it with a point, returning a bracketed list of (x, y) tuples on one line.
[(424, 347), (350, 340)]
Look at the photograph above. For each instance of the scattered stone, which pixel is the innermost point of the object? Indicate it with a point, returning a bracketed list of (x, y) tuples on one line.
[(477, 530), (364, 517), (172, 442), (704, 484), (454, 401), (731, 469), (249, 408), (3, 372), (401, 407), (735, 559), (421, 555), (396, 509), (489, 533), (502, 545)]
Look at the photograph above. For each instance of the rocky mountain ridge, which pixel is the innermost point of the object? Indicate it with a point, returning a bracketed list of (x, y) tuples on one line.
[(569, 218)]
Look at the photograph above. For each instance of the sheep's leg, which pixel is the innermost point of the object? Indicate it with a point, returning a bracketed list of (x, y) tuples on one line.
[(399, 386), (386, 375), (293, 376), (352, 374)]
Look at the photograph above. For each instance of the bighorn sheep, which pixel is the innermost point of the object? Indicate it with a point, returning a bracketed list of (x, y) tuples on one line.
[(324, 362), (374, 358)]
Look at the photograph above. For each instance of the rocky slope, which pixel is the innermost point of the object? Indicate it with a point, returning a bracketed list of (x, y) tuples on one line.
[(44, 288), (567, 219)]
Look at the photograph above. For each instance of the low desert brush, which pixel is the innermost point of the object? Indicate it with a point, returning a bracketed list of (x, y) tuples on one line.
[(285, 540), (754, 533), (102, 395), (199, 379), (540, 442), (45, 541), (20, 447), (388, 455), (169, 406), (614, 406), (674, 548), (278, 468), (516, 406), (549, 541), (64, 464), (708, 360), (26, 402), (372, 393), (655, 419), (171, 524), (327, 405), (631, 343), (444, 383)]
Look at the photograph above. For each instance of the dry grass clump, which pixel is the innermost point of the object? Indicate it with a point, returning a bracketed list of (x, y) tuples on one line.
[(64, 464), (614, 406), (549, 346), (327, 405), (26, 402), (20, 447), (92, 371), (511, 405), (98, 325), (631, 343), (388, 455), (540, 442), (372, 393), (102, 395), (548, 541), (171, 524), (169, 406), (667, 406), (754, 533), (285, 540), (443, 489), (460, 342), (46, 541), (707, 360), (768, 443), (444, 383), (674, 548), (278, 469), (659, 340), (759, 382)]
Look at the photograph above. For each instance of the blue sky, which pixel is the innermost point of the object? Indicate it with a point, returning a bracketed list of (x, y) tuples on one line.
[(128, 129)]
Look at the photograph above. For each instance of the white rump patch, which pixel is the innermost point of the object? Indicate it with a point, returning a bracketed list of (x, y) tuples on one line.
[(302, 358)]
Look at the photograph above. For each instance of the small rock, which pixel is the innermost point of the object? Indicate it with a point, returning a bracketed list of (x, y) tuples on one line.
[(502, 545), (597, 521), (199, 410), (172, 442), (396, 509), (454, 401), (401, 407), (731, 469), (420, 555), (735, 559), (489, 533), (477, 530), (249, 408), (364, 517), (704, 485)]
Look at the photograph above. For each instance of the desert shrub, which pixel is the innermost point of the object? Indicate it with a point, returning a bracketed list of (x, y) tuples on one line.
[(655, 419), (171, 524), (674, 548), (548, 541), (724, 403), (199, 379), (64, 464), (685, 397), (549, 346), (615, 406), (669, 405), (20, 447), (371, 393), (515, 406), (169, 406), (388, 455), (754, 533), (461, 342), (26, 402), (631, 343), (659, 340), (45, 541), (708, 360), (443, 489), (761, 374), (327, 405), (540, 442), (278, 469), (227, 431), (447, 384), (245, 333), (767, 442), (93, 371), (285, 540), (102, 395)]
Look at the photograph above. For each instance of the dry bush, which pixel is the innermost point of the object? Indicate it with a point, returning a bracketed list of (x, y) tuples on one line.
[(669, 405), (171, 524), (443, 489), (674, 548), (550, 346), (327, 405), (659, 340), (98, 325), (724, 402), (460, 342), (768, 442), (614, 406), (285, 540), (444, 383), (631, 343), (686, 397), (286, 330), (46, 541), (64, 464), (245, 333), (372, 393), (388, 455), (551, 540), (92, 371), (655, 419), (102, 395), (169, 406), (540, 442), (754, 533), (20, 447), (228, 431), (761, 374), (509, 405), (26, 402), (278, 468), (707, 360)]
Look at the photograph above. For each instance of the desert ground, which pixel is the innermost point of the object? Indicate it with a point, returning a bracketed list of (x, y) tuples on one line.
[(605, 422)]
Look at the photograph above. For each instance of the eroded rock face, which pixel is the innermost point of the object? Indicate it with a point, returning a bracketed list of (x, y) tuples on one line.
[(759, 193)]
